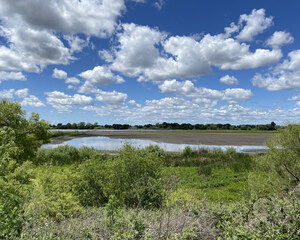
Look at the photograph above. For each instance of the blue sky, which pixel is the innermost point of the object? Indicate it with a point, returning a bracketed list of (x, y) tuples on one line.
[(139, 62)]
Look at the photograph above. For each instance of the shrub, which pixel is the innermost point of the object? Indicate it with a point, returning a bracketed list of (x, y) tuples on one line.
[(216, 152), (283, 156), (155, 149), (10, 215), (53, 196), (91, 188), (262, 218), (187, 152), (230, 151), (64, 154), (135, 177)]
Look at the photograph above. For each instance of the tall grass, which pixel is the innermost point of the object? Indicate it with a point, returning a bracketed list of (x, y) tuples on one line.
[(64, 154)]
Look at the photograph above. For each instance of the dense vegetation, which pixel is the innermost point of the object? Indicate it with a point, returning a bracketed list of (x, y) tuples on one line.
[(78, 193), (169, 126)]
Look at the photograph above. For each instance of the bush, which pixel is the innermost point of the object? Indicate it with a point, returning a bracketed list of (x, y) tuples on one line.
[(133, 177), (64, 154), (10, 215), (53, 196), (262, 218), (283, 156), (92, 188), (187, 152), (155, 149), (230, 151), (216, 152)]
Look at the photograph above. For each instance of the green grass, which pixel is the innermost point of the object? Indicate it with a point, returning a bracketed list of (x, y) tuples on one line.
[(61, 134), (223, 185)]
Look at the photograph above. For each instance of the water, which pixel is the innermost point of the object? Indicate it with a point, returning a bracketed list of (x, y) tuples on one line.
[(111, 144)]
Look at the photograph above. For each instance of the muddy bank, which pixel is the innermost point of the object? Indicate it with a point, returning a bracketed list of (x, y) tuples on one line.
[(179, 137)]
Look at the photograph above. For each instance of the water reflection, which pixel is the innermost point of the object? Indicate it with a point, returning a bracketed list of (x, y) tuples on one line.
[(106, 143)]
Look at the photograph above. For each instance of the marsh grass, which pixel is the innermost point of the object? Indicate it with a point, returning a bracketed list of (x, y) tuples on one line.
[(63, 155)]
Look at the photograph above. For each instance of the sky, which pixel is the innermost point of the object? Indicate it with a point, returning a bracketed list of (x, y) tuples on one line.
[(152, 61)]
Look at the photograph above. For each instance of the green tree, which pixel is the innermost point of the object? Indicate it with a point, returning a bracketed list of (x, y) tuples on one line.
[(19, 140), (20, 137)]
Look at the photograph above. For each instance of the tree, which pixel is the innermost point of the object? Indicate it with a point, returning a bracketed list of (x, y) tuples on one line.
[(20, 137), (283, 155)]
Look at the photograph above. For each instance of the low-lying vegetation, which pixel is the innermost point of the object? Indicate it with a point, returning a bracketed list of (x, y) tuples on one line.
[(79, 193)]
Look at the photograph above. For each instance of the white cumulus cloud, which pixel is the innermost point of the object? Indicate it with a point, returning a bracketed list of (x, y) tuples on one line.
[(11, 76), (148, 54), (63, 102), (60, 74), (279, 39), (28, 100), (91, 17), (7, 93), (209, 97), (230, 80), (111, 98), (285, 76), (31, 50), (255, 23), (98, 76)]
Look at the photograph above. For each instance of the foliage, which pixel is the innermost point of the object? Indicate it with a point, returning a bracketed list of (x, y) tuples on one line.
[(10, 215), (135, 177), (8, 148), (171, 126), (262, 218), (187, 152), (283, 156), (22, 136), (64, 154), (155, 149), (91, 188), (53, 196)]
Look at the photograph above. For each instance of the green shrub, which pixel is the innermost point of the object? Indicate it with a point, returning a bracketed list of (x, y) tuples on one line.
[(262, 218), (53, 196), (283, 156), (135, 177), (187, 152), (10, 216), (92, 187), (155, 149), (230, 151), (64, 154)]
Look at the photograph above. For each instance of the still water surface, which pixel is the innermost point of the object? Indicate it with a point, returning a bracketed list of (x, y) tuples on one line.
[(111, 144)]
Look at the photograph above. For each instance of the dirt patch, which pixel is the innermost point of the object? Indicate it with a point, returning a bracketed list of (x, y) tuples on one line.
[(184, 137)]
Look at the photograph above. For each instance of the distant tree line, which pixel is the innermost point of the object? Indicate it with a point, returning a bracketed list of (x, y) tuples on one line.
[(168, 126)]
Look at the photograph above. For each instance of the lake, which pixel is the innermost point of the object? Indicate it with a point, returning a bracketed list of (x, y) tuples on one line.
[(113, 144)]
